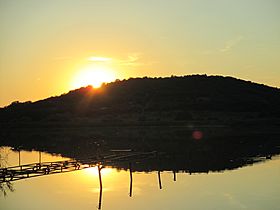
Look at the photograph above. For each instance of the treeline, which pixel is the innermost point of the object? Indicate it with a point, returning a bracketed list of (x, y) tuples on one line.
[(187, 98)]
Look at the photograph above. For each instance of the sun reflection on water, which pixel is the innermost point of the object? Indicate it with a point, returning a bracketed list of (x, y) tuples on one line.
[(94, 171)]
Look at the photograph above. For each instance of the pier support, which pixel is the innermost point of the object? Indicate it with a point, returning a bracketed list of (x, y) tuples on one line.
[(174, 176), (159, 180), (130, 186), (100, 186)]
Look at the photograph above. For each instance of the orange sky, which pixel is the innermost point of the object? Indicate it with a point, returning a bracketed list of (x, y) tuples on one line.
[(50, 47)]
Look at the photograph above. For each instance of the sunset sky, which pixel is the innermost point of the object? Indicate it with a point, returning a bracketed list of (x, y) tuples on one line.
[(49, 47)]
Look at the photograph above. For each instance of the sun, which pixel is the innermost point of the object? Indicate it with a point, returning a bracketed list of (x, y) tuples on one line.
[(94, 76)]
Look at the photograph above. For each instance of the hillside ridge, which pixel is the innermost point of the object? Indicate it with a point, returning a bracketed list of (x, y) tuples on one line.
[(169, 99)]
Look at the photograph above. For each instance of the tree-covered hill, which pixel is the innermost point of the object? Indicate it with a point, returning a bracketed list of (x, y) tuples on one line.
[(210, 99)]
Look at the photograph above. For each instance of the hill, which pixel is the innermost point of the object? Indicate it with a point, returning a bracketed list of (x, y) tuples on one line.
[(202, 99), (200, 123)]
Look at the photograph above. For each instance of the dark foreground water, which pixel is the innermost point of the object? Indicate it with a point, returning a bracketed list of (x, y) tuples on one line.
[(252, 187)]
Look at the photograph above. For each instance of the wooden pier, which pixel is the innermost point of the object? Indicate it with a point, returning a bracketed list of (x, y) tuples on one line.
[(19, 172)]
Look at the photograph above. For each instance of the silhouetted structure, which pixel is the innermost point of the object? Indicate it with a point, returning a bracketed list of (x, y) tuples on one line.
[(174, 176), (39, 169), (99, 167), (159, 180), (130, 183)]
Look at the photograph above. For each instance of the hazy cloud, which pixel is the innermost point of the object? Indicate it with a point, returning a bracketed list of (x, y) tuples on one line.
[(135, 59), (131, 60), (231, 43), (228, 46), (99, 59), (233, 201)]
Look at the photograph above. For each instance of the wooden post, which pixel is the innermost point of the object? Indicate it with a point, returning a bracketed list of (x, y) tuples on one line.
[(174, 176), (100, 185), (130, 186), (19, 160), (40, 157), (159, 180)]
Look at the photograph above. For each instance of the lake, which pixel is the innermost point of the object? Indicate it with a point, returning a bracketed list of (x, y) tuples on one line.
[(252, 186)]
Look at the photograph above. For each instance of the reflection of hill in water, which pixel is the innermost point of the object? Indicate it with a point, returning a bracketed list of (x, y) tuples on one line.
[(180, 148)]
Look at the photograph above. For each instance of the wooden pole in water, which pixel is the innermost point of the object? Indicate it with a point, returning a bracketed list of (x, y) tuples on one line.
[(100, 185), (130, 186), (19, 157), (40, 157), (174, 176), (159, 180)]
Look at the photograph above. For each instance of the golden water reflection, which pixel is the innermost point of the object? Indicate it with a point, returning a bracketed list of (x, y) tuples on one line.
[(250, 187)]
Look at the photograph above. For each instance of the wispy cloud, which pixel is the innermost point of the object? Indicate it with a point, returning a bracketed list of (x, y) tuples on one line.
[(228, 46), (233, 201), (99, 59), (131, 60), (136, 59), (231, 43)]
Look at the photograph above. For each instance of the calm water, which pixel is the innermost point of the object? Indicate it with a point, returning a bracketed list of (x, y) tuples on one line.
[(251, 187)]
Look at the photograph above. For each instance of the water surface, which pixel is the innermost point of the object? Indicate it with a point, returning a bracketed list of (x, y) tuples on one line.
[(253, 187)]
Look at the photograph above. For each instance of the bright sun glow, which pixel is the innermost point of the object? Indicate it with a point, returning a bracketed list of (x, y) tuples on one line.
[(94, 171), (93, 76)]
